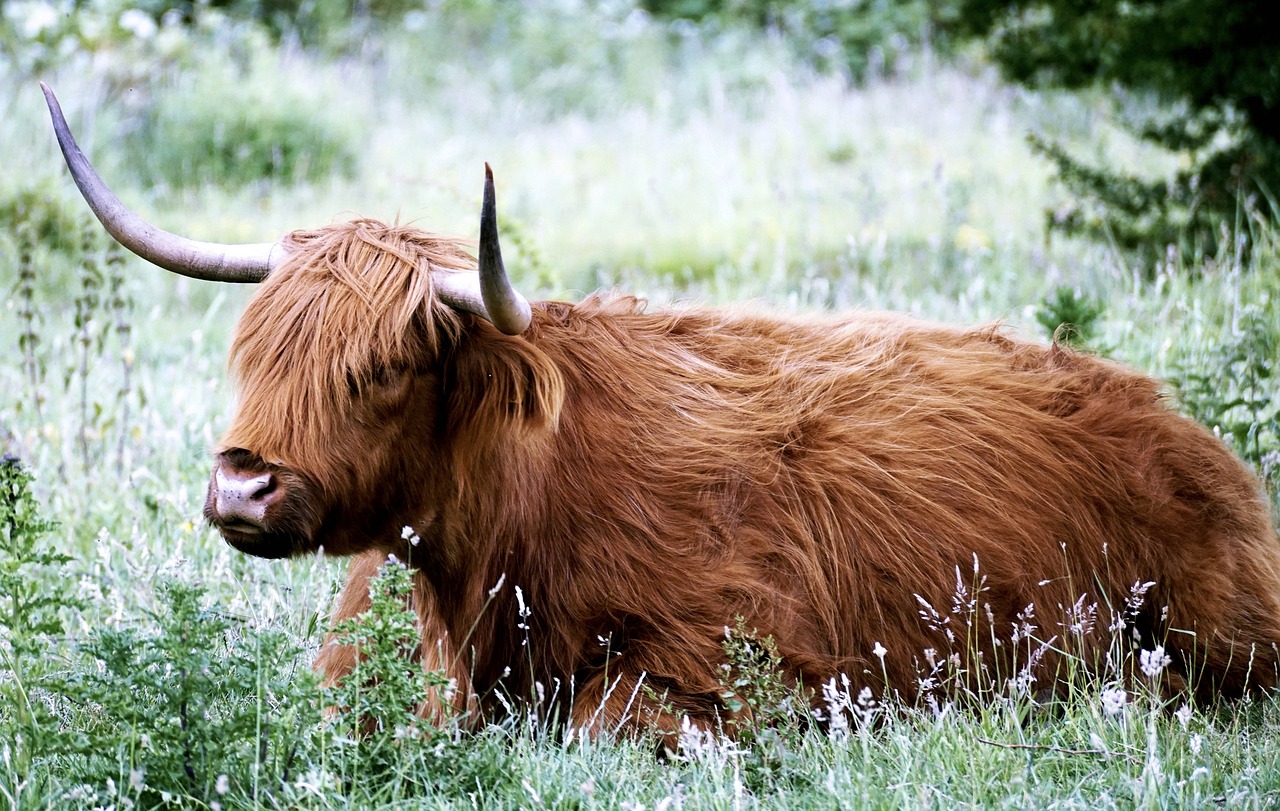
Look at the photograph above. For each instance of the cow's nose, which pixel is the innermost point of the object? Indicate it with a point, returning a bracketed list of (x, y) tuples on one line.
[(243, 498)]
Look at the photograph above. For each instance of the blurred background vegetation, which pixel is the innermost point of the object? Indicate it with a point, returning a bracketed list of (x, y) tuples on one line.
[(1099, 174)]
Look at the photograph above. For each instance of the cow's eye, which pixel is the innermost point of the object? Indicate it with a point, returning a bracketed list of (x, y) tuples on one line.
[(375, 380)]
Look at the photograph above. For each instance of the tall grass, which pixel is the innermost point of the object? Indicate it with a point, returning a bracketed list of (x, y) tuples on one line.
[(665, 162)]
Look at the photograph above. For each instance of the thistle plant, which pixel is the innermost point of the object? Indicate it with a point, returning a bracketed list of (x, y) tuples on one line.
[(28, 316), (33, 597), (192, 707), (379, 700), (87, 304)]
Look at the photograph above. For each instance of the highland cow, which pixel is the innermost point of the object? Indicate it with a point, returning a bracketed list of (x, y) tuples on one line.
[(588, 494)]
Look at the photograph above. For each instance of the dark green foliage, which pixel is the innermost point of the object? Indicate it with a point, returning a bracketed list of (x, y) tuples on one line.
[(1230, 387), (231, 133), (1070, 317), (1213, 63), (32, 582), (754, 693), (859, 36), (50, 217), (380, 698), (766, 715), (196, 706), (34, 593)]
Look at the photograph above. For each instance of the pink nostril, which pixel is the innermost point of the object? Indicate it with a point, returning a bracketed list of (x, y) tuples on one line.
[(266, 488), (243, 498)]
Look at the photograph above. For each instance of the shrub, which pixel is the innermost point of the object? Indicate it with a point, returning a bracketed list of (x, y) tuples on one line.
[(1070, 317), (33, 595), (1212, 63), (379, 699), (1230, 386), (222, 130), (199, 707)]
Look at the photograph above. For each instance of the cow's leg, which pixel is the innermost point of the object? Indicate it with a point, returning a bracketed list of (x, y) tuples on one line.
[(336, 661), (1225, 643), (626, 701)]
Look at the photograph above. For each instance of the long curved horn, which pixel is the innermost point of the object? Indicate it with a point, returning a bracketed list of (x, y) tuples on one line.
[(489, 295), (210, 261)]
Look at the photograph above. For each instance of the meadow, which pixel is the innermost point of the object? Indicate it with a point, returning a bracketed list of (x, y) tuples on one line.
[(146, 664)]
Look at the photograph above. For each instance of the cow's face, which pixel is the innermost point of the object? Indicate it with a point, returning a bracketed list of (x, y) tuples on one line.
[(343, 496), (336, 358)]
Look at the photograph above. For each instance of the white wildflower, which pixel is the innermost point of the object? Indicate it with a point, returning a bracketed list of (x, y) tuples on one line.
[(1183, 715), (406, 532), (1154, 661), (1195, 743), (497, 587), (836, 701), (1080, 617), (81, 793), (136, 779), (865, 707), (1199, 773), (880, 650), (523, 612), (1138, 595), (222, 785), (1113, 701), (1021, 684), (694, 740)]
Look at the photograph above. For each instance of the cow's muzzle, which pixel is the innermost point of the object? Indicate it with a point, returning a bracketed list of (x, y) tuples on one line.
[(241, 500), (253, 505)]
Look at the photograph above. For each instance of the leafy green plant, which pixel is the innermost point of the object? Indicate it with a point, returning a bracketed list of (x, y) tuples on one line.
[(34, 594), (378, 701), (200, 707), (225, 130), (1069, 317), (754, 693), (1210, 63), (1231, 388)]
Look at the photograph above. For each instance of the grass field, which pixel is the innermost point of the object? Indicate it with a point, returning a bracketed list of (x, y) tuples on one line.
[(680, 166)]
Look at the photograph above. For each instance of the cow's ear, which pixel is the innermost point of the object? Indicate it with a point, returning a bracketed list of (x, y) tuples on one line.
[(496, 385)]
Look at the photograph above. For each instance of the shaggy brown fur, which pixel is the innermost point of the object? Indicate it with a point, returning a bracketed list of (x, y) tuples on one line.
[(646, 478)]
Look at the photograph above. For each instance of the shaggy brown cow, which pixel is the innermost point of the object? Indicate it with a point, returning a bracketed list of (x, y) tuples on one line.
[(597, 491)]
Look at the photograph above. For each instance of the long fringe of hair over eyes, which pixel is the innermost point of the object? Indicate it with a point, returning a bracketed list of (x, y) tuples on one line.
[(349, 301)]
